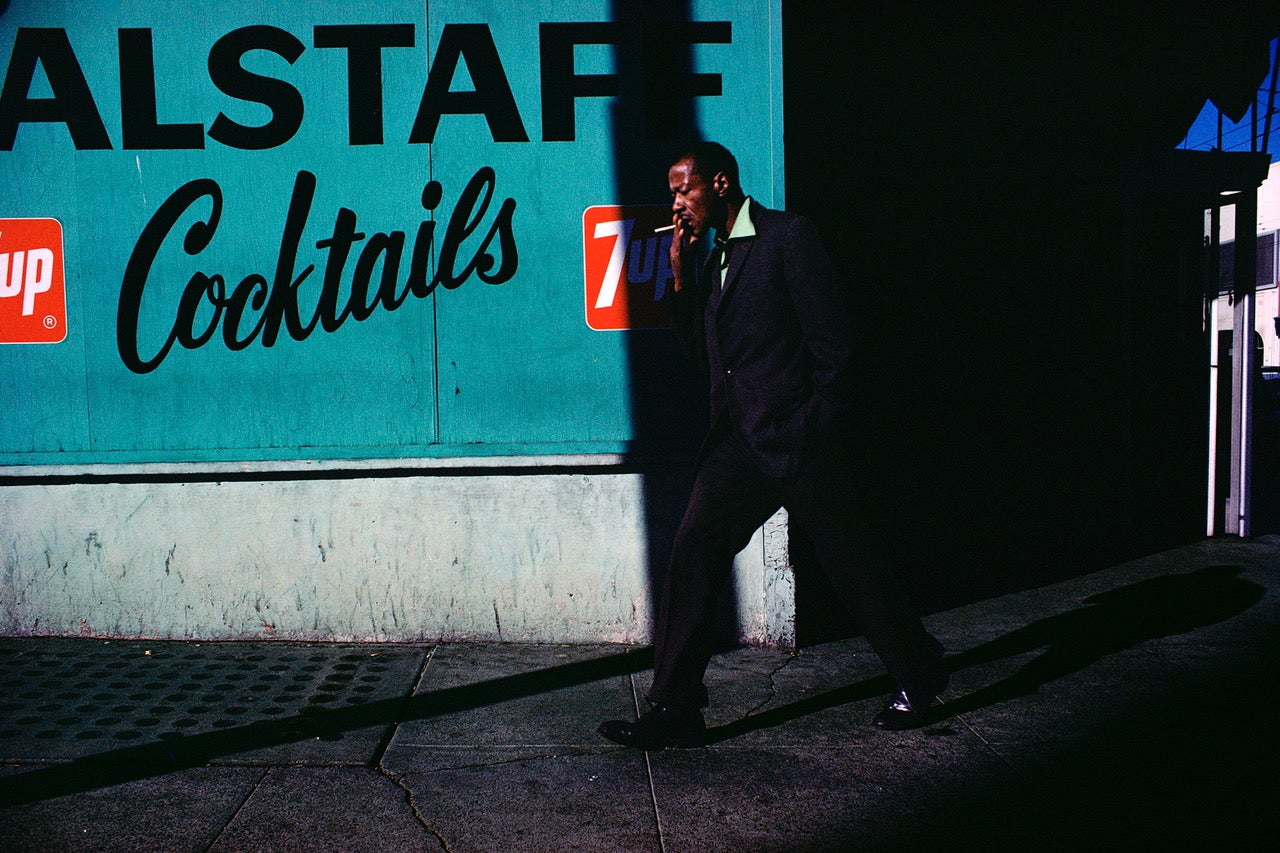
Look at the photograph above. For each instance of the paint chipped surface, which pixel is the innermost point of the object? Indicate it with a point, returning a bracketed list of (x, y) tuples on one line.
[(562, 558)]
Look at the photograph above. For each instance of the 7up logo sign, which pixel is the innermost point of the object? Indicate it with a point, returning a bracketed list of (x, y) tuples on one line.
[(626, 265), (33, 303)]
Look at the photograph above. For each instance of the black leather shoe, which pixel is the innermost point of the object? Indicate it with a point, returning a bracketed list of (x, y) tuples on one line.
[(659, 728), (901, 713)]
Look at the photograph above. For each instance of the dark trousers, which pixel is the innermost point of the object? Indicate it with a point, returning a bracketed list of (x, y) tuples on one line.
[(730, 499)]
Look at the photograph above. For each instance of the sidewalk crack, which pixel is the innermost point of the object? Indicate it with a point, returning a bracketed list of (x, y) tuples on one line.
[(377, 765), (236, 814), (773, 684), (990, 747), (413, 808)]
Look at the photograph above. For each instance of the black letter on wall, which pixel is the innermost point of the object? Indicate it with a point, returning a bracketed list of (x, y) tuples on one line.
[(364, 44), (492, 96), (138, 122), (72, 102), (667, 84), (560, 85), (281, 98)]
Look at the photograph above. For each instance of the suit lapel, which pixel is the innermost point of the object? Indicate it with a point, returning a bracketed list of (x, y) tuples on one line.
[(737, 259)]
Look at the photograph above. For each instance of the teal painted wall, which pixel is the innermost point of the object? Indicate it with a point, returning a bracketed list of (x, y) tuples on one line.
[(508, 367)]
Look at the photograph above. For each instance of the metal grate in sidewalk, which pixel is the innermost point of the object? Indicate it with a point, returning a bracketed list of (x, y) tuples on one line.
[(62, 699)]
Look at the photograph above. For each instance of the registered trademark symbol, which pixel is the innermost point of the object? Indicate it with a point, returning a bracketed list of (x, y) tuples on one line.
[(50, 321)]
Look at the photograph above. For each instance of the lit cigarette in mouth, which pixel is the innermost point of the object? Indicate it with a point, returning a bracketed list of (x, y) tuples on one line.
[(664, 229)]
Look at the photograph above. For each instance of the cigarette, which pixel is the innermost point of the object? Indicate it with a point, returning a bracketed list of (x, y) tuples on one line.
[(664, 229)]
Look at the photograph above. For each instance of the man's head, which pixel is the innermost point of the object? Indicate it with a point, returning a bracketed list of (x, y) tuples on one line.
[(704, 186)]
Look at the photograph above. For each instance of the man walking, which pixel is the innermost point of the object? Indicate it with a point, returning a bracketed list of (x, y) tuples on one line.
[(767, 321)]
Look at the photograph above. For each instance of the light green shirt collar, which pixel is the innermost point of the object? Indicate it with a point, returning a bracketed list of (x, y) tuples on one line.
[(743, 226)]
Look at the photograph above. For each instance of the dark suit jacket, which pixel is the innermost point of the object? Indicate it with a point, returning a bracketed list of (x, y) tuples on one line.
[(775, 342)]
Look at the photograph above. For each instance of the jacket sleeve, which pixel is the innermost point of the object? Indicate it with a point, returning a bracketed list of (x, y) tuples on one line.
[(822, 308)]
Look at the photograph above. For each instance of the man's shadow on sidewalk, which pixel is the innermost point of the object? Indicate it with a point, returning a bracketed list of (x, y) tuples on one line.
[(1110, 622)]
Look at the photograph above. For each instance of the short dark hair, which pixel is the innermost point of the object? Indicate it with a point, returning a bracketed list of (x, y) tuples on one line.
[(709, 159)]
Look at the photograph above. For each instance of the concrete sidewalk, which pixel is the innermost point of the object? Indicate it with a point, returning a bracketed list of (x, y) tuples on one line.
[(1132, 707)]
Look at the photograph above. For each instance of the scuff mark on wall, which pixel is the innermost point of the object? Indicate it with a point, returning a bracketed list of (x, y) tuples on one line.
[(137, 161), (130, 516)]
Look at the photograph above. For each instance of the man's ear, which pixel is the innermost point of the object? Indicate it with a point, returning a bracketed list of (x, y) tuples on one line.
[(721, 183)]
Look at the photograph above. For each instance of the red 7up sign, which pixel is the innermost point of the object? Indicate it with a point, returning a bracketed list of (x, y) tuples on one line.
[(626, 266), (33, 303)]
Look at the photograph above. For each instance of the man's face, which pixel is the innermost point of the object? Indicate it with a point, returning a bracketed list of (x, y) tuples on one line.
[(694, 200)]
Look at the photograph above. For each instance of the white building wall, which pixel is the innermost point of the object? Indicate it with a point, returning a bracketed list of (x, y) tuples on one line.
[(1268, 207), (537, 557), (1267, 306)]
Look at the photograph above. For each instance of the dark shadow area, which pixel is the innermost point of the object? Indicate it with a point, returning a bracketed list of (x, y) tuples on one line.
[(1181, 766), (1185, 764), (1025, 250), (653, 117), (1185, 771), (1266, 482), (117, 766), (1178, 777), (1110, 622)]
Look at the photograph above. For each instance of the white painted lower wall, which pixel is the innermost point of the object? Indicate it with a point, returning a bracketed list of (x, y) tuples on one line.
[(518, 553)]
